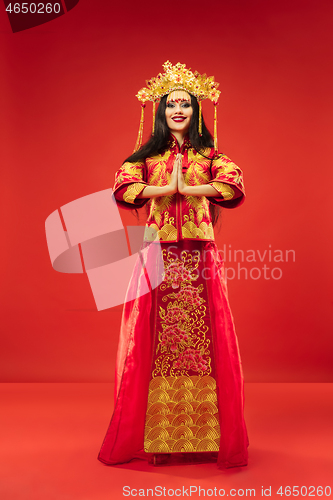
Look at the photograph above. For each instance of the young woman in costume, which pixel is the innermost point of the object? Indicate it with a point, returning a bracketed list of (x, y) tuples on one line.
[(179, 382)]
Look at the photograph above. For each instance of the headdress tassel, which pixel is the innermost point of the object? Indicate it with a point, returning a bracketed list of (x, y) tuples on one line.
[(140, 133)]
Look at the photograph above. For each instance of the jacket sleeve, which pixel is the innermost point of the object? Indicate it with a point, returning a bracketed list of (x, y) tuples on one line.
[(130, 182), (227, 179)]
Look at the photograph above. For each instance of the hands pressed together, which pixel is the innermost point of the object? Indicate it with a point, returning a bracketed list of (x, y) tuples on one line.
[(177, 185), (177, 182)]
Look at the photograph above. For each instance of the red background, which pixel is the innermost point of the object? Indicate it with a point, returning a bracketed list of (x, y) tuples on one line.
[(69, 116)]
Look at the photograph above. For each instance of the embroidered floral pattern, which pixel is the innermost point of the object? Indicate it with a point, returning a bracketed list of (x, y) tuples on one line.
[(190, 296), (172, 336), (174, 314), (191, 359), (176, 273), (182, 345)]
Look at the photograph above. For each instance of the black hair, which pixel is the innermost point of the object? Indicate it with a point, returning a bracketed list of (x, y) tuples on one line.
[(159, 141)]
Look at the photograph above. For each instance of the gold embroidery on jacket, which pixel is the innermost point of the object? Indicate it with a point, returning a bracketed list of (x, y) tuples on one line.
[(159, 176), (193, 155), (132, 192), (204, 231), (168, 232), (157, 207), (194, 176), (157, 171), (129, 172), (132, 169), (191, 230), (199, 204), (226, 170), (224, 189), (197, 173)]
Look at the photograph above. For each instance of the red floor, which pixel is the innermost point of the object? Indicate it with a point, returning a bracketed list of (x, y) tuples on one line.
[(51, 434)]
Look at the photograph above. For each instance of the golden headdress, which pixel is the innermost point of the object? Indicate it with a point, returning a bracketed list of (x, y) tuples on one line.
[(178, 77)]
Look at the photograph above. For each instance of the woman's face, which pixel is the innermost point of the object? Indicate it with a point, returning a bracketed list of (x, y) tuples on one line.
[(178, 111)]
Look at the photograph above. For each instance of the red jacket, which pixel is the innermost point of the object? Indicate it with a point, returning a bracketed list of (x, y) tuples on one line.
[(178, 217)]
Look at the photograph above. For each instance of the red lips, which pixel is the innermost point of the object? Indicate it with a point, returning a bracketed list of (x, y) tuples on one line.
[(179, 118)]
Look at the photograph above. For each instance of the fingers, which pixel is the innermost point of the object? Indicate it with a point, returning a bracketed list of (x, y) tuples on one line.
[(177, 166), (179, 159), (175, 163)]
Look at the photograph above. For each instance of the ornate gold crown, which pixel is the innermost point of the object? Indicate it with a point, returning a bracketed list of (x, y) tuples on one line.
[(178, 77)]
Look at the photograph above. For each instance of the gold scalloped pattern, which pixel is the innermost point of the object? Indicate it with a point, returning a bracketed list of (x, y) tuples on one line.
[(224, 189), (204, 231), (133, 191), (182, 415)]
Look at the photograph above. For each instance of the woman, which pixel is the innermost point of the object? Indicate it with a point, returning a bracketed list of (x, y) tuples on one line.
[(179, 384)]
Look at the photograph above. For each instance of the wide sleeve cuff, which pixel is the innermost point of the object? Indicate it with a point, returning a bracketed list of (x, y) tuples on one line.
[(225, 190), (127, 196), (132, 191), (129, 183), (231, 195)]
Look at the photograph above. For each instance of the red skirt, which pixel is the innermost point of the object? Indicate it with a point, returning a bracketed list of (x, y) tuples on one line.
[(179, 382)]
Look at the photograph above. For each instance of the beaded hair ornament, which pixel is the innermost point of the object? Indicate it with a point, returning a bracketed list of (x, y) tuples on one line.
[(178, 77)]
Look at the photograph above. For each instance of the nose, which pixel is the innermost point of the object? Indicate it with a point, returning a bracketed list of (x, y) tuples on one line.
[(179, 109)]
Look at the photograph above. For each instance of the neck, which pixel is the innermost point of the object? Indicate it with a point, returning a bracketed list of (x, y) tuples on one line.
[(179, 136)]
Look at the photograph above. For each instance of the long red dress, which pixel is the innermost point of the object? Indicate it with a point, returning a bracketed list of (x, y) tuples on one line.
[(179, 382)]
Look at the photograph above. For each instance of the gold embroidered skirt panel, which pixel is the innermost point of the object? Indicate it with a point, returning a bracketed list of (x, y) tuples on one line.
[(182, 412)]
